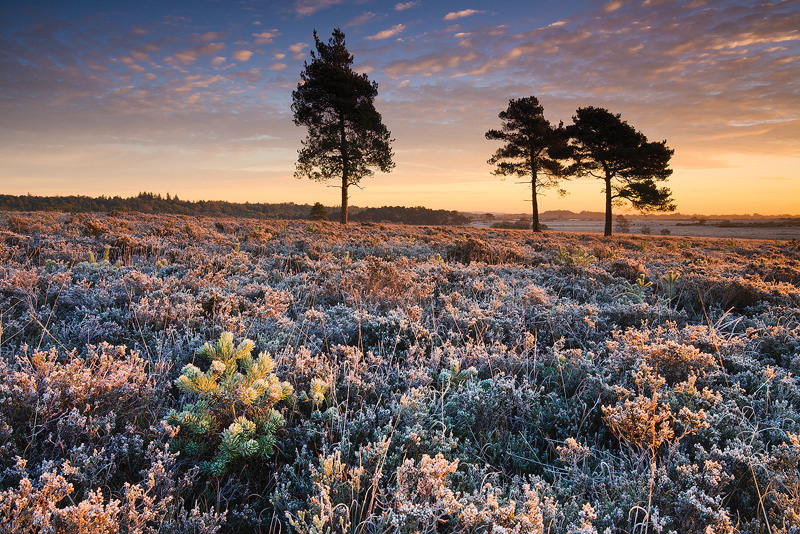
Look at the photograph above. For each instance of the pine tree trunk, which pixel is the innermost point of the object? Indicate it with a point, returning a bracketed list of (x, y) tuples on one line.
[(607, 231), (534, 202), (345, 169), (343, 217)]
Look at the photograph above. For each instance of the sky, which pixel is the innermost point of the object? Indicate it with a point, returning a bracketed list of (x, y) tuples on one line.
[(110, 97)]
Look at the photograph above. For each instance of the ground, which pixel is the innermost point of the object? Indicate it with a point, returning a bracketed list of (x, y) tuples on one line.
[(431, 378)]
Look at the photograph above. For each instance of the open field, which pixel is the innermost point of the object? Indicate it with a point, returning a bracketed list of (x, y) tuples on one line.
[(748, 230), (768, 229), (425, 379)]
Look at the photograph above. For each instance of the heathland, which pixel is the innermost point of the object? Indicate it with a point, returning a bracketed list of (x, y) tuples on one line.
[(399, 379)]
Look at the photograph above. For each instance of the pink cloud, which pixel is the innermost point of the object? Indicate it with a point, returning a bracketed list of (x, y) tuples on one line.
[(362, 19), (298, 50), (242, 55), (612, 6), (140, 56), (425, 66), (190, 55), (266, 36), (453, 15), (402, 6), (309, 7), (210, 36), (386, 34)]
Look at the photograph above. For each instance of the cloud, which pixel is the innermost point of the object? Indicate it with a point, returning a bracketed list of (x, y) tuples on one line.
[(612, 6), (298, 50), (140, 56), (191, 55), (208, 36), (278, 66), (251, 76), (453, 15), (386, 34), (688, 70), (402, 6), (305, 8), (266, 37), (196, 81), (219, 60), (426, 66), (242, 55), (362, 19)]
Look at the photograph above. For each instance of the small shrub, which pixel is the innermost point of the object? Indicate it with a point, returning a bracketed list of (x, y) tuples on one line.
[(472, 249), (576, 259), (94, 228), (47, 400), (234, 418), (628, 269), (423, 498)]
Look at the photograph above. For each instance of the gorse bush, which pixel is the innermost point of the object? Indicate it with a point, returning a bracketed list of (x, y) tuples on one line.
[(234, 417)]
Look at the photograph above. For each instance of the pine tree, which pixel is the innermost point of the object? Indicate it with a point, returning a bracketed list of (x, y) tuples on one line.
[(318, 212), (234, 416), (611, 150), (533, 148), (346, 136)]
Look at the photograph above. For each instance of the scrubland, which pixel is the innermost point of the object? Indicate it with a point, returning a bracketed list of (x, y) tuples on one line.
[(397, 379)]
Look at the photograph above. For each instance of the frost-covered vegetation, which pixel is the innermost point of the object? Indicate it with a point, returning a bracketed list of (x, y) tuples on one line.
[(398, 379)]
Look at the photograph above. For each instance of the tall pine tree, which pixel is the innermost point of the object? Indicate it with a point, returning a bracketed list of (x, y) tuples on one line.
[(533, 148), (346, 136), (608, 148)]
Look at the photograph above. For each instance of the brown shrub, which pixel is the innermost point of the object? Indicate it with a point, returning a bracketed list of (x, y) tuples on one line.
[(473, 249)]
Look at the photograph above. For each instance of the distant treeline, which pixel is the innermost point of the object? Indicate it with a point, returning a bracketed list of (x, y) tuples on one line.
[(762, 224), (152, 203), (155, 203), (399, 214)]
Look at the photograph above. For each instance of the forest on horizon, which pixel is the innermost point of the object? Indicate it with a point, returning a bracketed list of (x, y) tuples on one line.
[(155, 203)]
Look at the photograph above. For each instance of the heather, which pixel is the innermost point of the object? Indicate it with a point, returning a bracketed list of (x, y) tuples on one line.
[(188, 374)]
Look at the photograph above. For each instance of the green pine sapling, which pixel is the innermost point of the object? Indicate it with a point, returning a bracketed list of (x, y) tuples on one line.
[(236, 394)]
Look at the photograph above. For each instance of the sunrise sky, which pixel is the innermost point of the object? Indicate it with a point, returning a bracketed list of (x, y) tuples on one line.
[(192, 98)]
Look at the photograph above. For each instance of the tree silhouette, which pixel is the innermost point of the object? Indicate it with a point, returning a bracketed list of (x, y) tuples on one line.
[(318, 212), (346, 137), (533, 148), (608, 148)]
